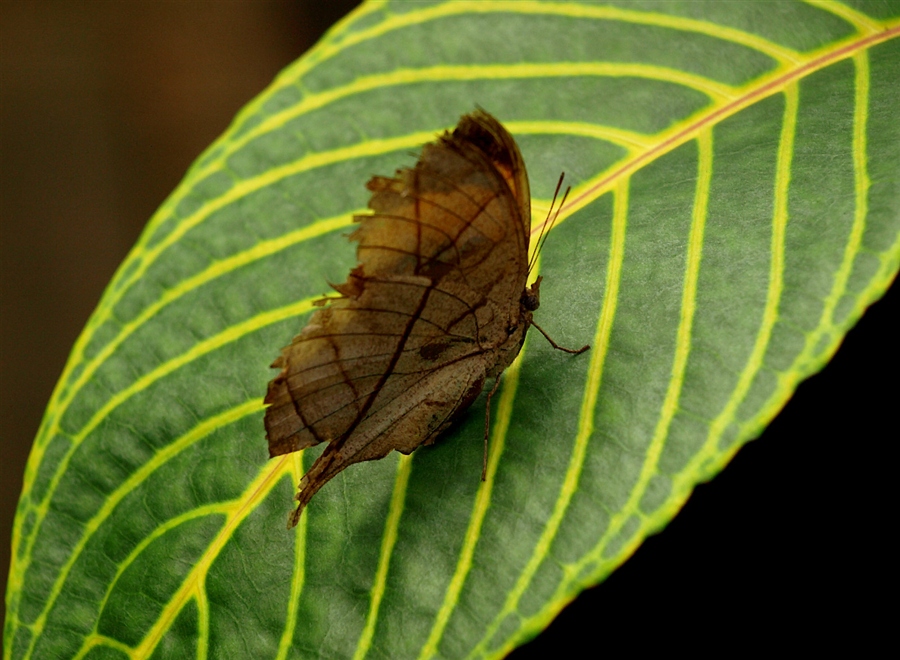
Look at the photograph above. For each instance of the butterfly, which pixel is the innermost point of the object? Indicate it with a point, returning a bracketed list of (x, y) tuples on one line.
[(437, 305)]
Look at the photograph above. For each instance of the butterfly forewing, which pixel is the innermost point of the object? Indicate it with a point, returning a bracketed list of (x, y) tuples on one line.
[(427, 314)]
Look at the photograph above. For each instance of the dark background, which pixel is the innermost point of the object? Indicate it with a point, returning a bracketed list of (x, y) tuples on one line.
[(104, 105)]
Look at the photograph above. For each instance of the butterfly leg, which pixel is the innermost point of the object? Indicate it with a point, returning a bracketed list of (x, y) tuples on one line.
[(557, 346), (487, 427)]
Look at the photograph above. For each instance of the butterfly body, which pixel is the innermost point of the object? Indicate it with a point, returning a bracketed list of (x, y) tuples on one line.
[(437, 305)]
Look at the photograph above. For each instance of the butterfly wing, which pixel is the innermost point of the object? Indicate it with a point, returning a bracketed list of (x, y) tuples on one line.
[(442, 266), (462, 215)]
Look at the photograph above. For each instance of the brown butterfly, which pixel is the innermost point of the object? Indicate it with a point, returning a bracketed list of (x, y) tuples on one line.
[(437, 305)]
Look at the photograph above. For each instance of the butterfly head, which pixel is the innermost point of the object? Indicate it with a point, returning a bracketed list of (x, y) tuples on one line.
[(531, 297)]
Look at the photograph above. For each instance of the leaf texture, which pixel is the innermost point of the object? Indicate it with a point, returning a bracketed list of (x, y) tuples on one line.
[(735, 207)]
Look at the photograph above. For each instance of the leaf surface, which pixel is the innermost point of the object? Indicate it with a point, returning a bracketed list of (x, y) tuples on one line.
[(735, 207)]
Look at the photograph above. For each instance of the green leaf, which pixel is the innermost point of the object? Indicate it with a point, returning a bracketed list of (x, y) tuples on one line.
[(735, 207)]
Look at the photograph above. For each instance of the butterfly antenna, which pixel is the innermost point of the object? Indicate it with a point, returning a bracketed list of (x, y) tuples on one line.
[(550, 221), (559, 209), (534, 255)]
